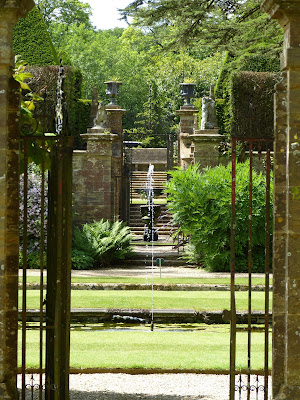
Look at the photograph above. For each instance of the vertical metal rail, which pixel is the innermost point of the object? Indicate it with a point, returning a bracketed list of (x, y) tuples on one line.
[(42, 249), (232, 278), (267, 270), (250, 268), (24, 277)]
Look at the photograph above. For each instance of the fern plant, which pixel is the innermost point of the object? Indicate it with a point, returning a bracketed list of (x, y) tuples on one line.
[(103, 241)]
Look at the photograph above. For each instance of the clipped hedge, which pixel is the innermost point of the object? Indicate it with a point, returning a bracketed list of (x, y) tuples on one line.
[(32, 42), (82, 115), (44, 83), (259, 63), (252, 108)]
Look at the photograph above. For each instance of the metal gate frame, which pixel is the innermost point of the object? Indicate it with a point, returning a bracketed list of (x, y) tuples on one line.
[(240, 387), (54, 320), (55, 156)]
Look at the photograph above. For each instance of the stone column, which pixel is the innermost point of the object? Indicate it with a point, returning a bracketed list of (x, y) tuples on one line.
[(114, 122), (10, 11), (286, 343), (93, 186), (188, 122)]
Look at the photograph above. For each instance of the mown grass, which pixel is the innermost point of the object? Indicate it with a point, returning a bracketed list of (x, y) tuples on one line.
[(121, 279), (197, 349), (142, 299)]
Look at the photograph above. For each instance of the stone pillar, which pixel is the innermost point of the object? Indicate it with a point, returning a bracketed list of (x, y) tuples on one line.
[(93, 182), (188, 122), (114, 123), (286, 342), (206, 147), (10, 11)]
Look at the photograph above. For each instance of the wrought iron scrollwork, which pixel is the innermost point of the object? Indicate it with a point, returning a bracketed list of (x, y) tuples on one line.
[(255, 388), (34, 387)]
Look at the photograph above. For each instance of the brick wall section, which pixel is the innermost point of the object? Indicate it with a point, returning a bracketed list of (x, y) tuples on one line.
[(286, 345), (97, 172), (10, 11), (93, 185)]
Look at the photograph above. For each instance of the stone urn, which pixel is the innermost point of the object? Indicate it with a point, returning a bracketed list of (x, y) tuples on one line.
[(113, 90), (187, 91)]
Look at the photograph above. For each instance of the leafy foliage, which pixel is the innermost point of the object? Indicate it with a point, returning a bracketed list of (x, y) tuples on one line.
[(32, 41), (236, 25), (103, 241), (201, 206), (81, 260)]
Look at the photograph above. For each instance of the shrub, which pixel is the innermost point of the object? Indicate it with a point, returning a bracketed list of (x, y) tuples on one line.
[(103, 241), (33, 260), (34, 208), (201, 205), (80, 260)]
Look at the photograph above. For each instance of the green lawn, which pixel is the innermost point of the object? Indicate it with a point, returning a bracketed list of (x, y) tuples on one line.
[(207, 301), (206, 348), (121, 279)]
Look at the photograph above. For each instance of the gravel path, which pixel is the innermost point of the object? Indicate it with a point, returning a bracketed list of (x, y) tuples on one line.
[(149, 387)]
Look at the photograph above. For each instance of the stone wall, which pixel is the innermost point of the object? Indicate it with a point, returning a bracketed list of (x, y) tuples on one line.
[(141, 158)]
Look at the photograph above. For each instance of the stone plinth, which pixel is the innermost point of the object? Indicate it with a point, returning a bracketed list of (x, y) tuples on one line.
[(10, 11), (188, 123), (286, 330), (93, 178), (206, 151)]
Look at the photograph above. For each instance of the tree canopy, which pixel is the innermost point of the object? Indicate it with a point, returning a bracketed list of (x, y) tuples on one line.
[(211, 25)]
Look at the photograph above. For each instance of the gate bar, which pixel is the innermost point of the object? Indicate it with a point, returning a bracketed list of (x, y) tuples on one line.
[(232, 277), (24, 270), (42, 249), (250, 267), (267, 270)]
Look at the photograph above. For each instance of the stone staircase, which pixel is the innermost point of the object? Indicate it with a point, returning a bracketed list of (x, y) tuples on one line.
[(163, 225), (139, 179)]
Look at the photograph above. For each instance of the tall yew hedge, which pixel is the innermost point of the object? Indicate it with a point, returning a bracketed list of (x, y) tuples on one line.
[(32, 42), (252, 104)]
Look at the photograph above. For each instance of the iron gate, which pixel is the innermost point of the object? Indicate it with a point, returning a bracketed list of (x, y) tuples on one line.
[(247, 384), (51, 318)]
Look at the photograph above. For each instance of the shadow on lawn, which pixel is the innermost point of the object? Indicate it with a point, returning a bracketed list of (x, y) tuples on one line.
[(74, 395)]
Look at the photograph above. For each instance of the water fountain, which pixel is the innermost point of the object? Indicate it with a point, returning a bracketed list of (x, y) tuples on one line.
[(150, 212)]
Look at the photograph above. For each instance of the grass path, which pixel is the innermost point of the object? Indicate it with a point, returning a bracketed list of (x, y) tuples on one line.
[(142, 299), (206, 348), (121, 279)]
